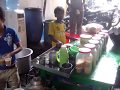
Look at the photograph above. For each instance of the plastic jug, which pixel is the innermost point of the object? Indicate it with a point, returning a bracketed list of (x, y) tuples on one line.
[(62, 55)]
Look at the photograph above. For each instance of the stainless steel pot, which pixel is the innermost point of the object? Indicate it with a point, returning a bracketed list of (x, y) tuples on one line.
[(35, 84), (23, 61)]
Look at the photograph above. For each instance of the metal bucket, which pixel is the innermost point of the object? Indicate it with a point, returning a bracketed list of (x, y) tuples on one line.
[(23, 61)]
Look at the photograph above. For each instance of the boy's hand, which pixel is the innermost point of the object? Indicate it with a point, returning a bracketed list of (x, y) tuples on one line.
[(7, 55), (58, 44)]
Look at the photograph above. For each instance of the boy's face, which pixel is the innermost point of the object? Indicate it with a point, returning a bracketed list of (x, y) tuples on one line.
[(1, 25), (59, 15)]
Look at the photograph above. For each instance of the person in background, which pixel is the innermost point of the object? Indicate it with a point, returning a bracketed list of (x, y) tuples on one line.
[(57, 28), (75, 8), (8, 37)]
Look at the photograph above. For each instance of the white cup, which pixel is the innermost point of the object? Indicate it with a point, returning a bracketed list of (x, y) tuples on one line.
[(8, 61)]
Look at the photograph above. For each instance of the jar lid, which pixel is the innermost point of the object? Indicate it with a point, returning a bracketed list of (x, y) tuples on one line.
[(89, 45), (96, 38), (105, 31), (96, 42), (99, 35), (84, 50), (85, 36), (102, 33)]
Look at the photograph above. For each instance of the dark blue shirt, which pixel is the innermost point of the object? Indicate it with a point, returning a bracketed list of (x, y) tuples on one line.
[(7, 42)]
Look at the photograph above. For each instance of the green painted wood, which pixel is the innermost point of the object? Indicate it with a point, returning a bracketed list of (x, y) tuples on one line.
[(102, 77)]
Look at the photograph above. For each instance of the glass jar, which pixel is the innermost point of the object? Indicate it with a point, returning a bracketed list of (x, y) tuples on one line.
[(96, 42), (106, 33), (102, 39), (84, 38), (84, 60), (93, 51), (100, 43), (105, 38)]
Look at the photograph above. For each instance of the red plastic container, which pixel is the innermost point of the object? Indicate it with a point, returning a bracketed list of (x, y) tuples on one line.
[(76, 36)]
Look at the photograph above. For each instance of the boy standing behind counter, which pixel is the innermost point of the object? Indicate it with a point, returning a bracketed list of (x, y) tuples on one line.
[(57, 28)]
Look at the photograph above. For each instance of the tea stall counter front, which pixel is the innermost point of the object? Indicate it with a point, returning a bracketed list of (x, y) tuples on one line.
[(104, 75), (101, 78)]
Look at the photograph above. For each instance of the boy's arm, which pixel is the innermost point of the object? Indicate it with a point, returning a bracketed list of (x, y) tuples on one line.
[(58, 43), (18, 49), (53, 39)]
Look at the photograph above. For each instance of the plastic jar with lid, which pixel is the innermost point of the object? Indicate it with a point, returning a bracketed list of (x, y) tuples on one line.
[(106, 33), (93, 51), (96, 42), (100, 43), (105, 38), (84, 38), (84, 60), (102, 39)]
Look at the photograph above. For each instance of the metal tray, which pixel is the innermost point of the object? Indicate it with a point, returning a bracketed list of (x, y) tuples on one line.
[(42, 62)]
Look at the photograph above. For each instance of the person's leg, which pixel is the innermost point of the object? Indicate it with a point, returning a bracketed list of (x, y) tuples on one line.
[(2, 79), (79, 20), (2, 84), (13, 79), (72, 21)]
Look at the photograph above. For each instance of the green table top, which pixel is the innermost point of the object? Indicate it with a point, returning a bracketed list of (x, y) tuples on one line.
[(106, 69)]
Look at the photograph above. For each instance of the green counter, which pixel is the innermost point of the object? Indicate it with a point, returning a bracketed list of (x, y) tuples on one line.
[(102, 77)]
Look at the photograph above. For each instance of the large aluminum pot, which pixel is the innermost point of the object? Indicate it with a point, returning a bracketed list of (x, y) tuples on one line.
[(35, 84), (23, 61)]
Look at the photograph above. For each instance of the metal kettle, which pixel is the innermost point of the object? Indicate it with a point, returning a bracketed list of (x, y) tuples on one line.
[(35, 84)]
